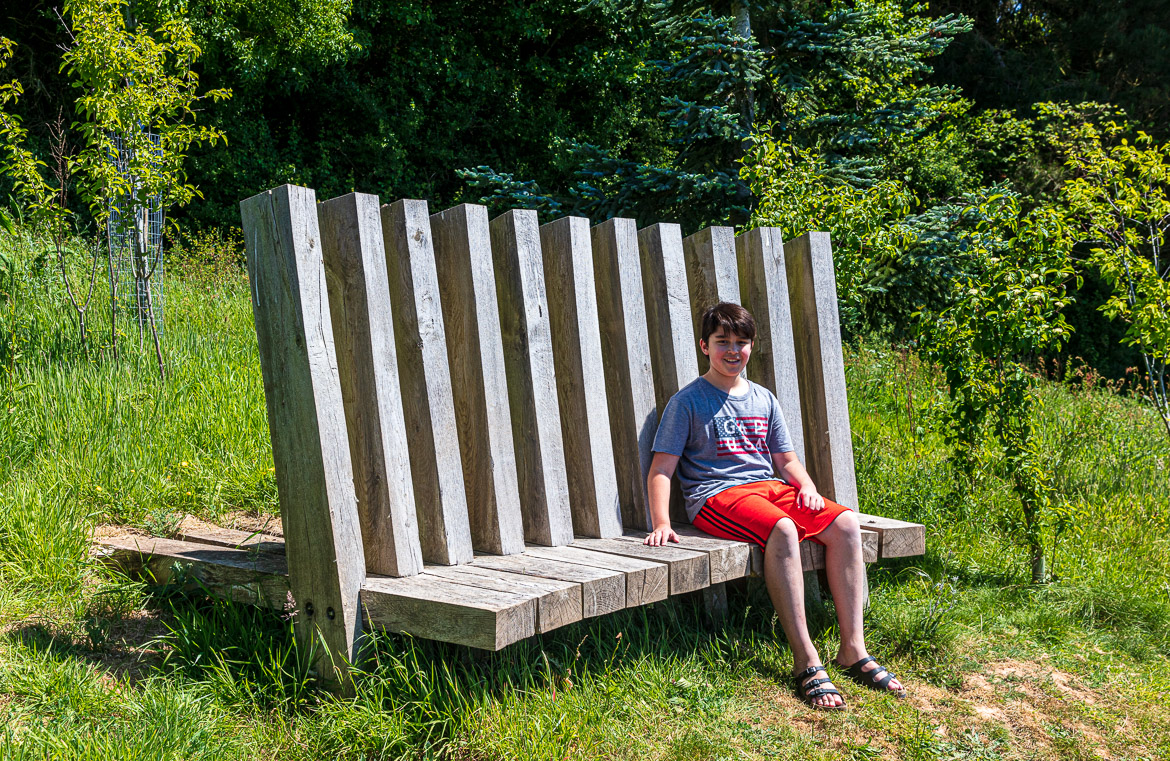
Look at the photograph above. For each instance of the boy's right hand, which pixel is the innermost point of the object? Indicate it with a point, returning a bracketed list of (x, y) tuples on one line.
[(660, 536)]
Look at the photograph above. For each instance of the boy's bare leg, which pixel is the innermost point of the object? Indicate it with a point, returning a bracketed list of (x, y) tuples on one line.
[(785, 581), (846, 571)]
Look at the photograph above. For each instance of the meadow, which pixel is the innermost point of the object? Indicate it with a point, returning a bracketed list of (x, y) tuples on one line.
[(96, 666)]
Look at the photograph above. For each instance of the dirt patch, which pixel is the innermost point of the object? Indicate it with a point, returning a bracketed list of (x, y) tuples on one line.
[(253, 522)]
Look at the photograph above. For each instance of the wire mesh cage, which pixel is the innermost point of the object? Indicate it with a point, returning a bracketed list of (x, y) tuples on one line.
[(135, 230)]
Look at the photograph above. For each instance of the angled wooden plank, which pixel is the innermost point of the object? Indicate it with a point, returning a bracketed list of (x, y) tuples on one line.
[(248, 576), (475, 350), (359, 304), (433, 608), (712, 275), (646, 582), (602, 590), (580, 377), (625, 347), (689, 570), (557, 602), (672, 343), (729, 559), (232, 538), (760, 255), (816, 332), (812, 556), (306, 421), (427, 398), (532, 388), (896, 539)]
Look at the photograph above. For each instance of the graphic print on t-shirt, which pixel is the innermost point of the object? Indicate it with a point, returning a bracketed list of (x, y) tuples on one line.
[(741, 435)]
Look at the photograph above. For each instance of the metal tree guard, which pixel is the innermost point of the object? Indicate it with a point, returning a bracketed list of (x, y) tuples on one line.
[(135, 230)]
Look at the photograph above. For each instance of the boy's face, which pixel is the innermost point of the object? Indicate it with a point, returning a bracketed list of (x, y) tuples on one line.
[(728, 352)]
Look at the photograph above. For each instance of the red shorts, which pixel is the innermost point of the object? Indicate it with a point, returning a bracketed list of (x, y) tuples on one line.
[(749, 512)]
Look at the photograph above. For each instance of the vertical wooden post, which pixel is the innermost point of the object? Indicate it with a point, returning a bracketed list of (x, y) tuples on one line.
[(359, 303), (475, 351), (712, 275), (764, 279), (672, 334), (576, 338), (625, 347), (314, 473), (427, 399), (532, 388)]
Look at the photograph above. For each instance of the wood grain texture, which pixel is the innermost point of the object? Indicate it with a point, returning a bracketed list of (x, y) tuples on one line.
[(646, 581), (764, 279), (433, 608), (234, 539), (629, 377), (729, 559), (602, 590), (475, 351), (816, 330), (671, 331), (428, 401), (557, 602), (896, 539), (360, 308), (580, 377), (689, 570), (306, 420), (247, 576), (532, 388), (712, 276)]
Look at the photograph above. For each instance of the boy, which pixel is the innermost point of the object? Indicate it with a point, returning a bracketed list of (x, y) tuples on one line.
[(727, 438)]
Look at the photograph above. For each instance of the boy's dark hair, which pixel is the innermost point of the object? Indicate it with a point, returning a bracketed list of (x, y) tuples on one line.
[(733, 318)]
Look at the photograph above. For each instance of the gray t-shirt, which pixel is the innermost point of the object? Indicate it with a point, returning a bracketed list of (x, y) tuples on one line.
[(721, 440)]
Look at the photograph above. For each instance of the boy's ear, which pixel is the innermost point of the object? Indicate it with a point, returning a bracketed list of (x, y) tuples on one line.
[(703, 346)]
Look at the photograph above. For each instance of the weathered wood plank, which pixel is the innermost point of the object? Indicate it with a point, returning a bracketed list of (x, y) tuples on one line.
[(896, 539), (557, 602), (475, 349), (355, 268), (689, 570), (247, 576), (427, 397), (232, 538), (712, 275), (532, 388), (306, 420), (603, 591), (816, 332), (625, 346), (760, 254), (580, 377), (646, 582), (433, 608), (729, 559)]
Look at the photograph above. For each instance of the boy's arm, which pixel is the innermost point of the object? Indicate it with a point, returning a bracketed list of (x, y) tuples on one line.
[(790, 469), (658, 492)]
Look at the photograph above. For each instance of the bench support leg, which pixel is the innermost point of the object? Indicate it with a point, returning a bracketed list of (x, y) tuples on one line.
[(715, 602), (814, 601)]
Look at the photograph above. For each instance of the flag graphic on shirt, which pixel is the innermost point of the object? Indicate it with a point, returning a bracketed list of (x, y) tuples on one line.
[(741, 435)]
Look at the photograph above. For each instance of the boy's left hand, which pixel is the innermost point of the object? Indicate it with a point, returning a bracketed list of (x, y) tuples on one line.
[(810, 499)]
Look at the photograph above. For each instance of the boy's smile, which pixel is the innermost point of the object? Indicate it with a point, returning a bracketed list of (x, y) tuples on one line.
[(728, 354)]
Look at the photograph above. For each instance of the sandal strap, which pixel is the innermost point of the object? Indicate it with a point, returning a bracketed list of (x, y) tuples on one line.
[(858, 667), (882, 682), (815, 683), (808, 672), (814, 694)]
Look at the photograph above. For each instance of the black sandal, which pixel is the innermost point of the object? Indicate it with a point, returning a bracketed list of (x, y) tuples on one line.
[(808, 690), (872, 678)]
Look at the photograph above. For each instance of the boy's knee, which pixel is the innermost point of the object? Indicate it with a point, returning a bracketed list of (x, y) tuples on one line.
[(784, 531), (848, 522)]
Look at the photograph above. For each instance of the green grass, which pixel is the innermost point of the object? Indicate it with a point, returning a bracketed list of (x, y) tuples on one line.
[(97, 666)]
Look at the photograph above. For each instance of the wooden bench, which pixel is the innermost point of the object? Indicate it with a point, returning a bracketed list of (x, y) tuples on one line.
[(461, 413)]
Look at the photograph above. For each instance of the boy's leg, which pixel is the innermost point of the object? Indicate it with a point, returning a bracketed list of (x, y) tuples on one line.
[(846, 571), (785, 582)]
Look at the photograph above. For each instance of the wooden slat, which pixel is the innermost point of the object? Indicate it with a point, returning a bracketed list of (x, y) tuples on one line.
[(689, 570), (646, 582), (580, 377), (306, 420), (427, 397), (355, 265), (532, 388), (729, 559), (248, 576), (816, 332), (232, 538), (712, 275), (467, 284), (557, 602), (603, 591), (433, 608), (760, 254), (897, 539), (625, 346)]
